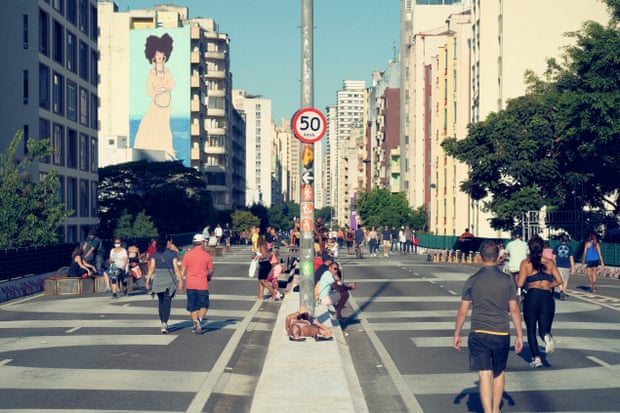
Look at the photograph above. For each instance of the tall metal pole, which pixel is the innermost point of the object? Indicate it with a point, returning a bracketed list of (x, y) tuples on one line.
[(306, 245)]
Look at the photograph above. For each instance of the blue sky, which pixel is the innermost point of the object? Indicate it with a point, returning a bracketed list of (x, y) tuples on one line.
[(352, 38)]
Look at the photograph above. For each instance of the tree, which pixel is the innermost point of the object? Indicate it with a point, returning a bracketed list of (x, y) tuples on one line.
[(260, 211), (381, 207), (244, 220), (141, 227), (277, 218), (30, 209), (174, 196)]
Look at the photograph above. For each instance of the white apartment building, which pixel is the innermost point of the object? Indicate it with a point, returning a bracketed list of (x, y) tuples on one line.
[(191, 121), (51, 93), (460, 61), (351, 152), (259, 146)]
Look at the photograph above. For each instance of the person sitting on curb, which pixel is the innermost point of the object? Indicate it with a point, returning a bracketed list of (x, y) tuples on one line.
[(300, 325), (330, 290)]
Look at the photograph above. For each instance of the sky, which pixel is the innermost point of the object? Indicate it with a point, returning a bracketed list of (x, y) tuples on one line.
[(352, 38)]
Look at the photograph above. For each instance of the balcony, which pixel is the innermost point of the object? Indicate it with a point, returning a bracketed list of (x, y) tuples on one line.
[(195, 129), (195, 56), (216, 112), (217, 92), (195, 105), (215, 55), (195, 80), (194, 154), (214, 150), (195, 33), (216, 74)]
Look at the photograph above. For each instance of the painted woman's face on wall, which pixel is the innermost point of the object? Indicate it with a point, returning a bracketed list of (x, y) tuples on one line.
[(159, 57)]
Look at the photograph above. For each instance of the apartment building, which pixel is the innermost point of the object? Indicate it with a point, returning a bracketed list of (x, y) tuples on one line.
[(384, 129), (351, 141), (256, 111), (51, 93), (462, 60), (175, 108)]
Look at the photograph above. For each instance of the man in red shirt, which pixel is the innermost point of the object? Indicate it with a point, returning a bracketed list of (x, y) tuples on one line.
[(198, 269)]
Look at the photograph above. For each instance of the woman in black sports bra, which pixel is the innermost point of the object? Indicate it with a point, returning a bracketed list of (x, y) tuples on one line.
[(539, 276)]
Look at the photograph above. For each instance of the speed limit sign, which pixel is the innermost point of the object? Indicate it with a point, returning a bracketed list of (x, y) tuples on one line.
[(309, 125)]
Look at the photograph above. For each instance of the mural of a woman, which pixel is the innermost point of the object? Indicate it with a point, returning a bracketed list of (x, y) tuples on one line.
[(154, 132)]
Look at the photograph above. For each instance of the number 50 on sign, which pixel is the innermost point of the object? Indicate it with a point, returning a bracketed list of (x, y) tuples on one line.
[(309, 125)]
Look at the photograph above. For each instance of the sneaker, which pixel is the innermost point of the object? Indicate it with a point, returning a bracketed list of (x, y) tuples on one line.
[(197, 327), (107, 291), (536, 363), (562, 295), (114, 295), (549, 344), (164, 328)]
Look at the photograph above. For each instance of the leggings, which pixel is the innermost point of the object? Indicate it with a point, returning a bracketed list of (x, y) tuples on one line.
[(165, 305), (538, 309)]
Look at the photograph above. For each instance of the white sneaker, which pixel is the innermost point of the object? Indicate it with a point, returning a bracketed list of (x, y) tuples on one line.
[(164, 328), (536, 363), (549, 344), (197, 327)]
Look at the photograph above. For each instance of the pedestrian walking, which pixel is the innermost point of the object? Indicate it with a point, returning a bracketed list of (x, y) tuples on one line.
[(592, 258), (491, 294), (163, 279), (564, 260), (197, 268), (539, 275), (386, 236)]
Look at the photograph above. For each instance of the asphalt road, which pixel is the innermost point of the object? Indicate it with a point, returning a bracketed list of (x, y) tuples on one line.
[(401, 338), (92, 353)]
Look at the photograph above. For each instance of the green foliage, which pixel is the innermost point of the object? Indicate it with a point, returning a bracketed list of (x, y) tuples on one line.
[(278, 219), (557, 146), (129, 228), (260, 211), (381, 207), (174, 196), (30, 211), (244, 220)]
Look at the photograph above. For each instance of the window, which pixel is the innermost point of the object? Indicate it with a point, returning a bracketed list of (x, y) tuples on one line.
[(44, 33), (44, 87), (94, 77), (25, 31), (93, 156), (72, 107), (83, 106), (94, 105), (58, 41), (84, 149), (83, 13), (61, 188), (72, 145), (71, 52), (25, 88), (84, 198), (44, 133), (58, 6), (72, 11), (93, 23), (58, 94), (58, 137), (72, 194), (83, 61), (94, 202)]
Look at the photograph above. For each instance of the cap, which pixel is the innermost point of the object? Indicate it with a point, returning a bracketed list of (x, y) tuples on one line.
[(91, 231), (402, 227), (198, 238)]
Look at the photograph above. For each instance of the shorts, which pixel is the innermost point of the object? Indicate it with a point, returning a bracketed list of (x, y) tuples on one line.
[(488, 352), (331, 299), (197, 299), (349, 244), (593, 264), (264, 268), (118, 276), (387, 242), (564, 273)]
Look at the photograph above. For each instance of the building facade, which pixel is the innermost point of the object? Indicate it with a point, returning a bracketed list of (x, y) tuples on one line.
[(186, 111), (259, 146), (461, 60), (51, 93)]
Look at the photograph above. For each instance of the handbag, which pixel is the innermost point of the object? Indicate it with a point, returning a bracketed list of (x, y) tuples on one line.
[(253, 268)]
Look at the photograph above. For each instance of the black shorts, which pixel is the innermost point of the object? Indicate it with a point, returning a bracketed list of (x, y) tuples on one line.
[(264, 268), (488, 352), (197, 299), (593, 264)]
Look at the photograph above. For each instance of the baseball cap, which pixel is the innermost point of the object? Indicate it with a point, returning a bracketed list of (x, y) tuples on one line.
[(198, 238)]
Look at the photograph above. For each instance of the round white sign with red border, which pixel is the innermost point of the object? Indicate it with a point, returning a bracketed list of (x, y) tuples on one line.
[(309, 125)]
